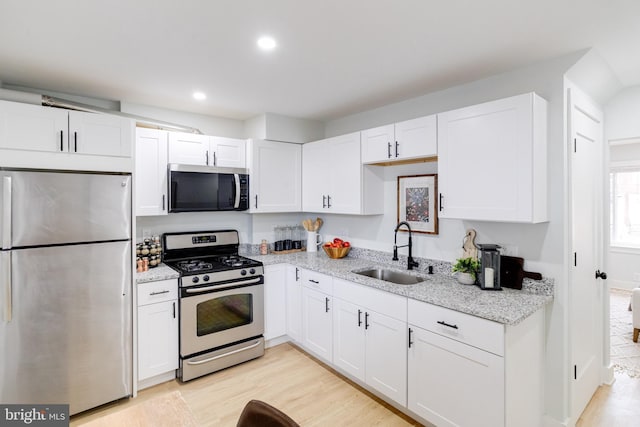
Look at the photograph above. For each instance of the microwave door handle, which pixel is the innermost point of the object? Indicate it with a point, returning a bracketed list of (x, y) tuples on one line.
[(236, 178), (6, 213)]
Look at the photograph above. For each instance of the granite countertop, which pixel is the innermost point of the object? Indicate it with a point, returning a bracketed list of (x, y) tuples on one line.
[(161, 272), (509, 306)]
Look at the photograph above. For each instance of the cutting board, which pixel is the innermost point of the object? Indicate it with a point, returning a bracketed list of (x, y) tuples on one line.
[(512, 272)]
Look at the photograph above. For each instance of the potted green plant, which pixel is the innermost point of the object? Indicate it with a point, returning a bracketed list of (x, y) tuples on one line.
[(466, 269)]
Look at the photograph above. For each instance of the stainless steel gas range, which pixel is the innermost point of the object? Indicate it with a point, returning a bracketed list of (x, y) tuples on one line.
[(221, 301)]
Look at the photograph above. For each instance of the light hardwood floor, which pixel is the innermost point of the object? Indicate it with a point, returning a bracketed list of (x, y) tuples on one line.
[(287, 378), (315, 395)]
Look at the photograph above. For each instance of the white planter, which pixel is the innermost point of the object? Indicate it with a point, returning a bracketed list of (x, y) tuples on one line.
[(465, 278)]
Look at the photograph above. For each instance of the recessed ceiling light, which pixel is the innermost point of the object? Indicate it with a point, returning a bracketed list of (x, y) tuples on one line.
[(266, 43), (199, 96)]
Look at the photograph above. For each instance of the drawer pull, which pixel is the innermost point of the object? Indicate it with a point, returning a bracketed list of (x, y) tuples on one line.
[(314, 281), (159, 293), (443, 323)]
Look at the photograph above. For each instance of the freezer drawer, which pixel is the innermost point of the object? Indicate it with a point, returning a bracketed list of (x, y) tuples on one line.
[(40, 208), (69, 336)]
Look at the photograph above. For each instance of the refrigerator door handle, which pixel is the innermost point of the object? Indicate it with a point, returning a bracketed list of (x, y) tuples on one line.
[(5, 278), (6, 213)]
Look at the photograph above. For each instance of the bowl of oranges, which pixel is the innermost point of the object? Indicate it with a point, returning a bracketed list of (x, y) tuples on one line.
[(337, 249)]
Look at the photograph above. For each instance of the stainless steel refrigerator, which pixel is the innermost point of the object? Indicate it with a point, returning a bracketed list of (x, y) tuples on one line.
[(65, 288)]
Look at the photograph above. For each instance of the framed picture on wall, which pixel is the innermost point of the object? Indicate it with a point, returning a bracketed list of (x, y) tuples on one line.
[(417, 205)]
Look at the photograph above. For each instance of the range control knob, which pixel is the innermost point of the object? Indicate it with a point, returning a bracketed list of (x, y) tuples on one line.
[(252, 271), (195, 279), (243, 272), (205, 278)]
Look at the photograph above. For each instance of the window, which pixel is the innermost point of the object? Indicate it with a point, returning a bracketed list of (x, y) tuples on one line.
[(625, 206)]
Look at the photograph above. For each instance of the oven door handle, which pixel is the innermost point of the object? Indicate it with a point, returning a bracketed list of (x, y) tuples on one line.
[(219, 287), (236, 178), (200, 362)]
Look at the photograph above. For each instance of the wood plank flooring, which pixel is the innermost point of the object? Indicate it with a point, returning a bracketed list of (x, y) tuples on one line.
[(315, 395), (287, 378)]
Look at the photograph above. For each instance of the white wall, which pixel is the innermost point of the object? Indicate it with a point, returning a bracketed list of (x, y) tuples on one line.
[(622, 122)]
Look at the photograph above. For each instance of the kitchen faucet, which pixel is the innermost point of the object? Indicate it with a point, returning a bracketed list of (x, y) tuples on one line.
[(410, 262)]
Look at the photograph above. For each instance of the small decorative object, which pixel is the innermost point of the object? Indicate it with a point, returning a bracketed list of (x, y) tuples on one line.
[(263, 247), (489, 267), (337, 249), (417, 202), (466, 269), (470, 250)]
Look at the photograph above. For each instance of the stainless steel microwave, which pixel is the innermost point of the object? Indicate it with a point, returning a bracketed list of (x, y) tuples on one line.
[(204, 188)]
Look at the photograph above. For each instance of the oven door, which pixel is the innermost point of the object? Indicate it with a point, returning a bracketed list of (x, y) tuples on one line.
[(216, 315)]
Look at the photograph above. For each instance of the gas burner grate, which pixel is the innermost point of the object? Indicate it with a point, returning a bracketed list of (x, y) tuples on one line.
[(191, 266)]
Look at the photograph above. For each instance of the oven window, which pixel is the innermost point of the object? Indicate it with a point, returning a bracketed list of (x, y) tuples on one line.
[(219, 314)]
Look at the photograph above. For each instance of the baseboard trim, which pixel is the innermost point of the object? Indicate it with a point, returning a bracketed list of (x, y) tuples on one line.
[(608, 376)]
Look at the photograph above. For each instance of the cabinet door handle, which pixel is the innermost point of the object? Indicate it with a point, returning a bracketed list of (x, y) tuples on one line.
[(366, 320), (314, 281), (397, 149), (159, 293), (75, 142), (328, 201), (215, 161), (359, 318), (388, 150), (256, 201), (410, 336), (61, 140), (324, 204), (443, 323), (326, 304), (440, 207), (163, 196), (174, 309), (206, 157), (297, 274)]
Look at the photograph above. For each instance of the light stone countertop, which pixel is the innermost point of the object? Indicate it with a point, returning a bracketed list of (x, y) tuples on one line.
[(508, 306), (161, 272)]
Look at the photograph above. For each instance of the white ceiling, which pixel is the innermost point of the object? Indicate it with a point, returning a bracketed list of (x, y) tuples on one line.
[(335, 57)]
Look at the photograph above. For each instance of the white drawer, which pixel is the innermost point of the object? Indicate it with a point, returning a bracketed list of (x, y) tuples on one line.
[(386, 303), (318, 281), (160, 291), (471, 330)]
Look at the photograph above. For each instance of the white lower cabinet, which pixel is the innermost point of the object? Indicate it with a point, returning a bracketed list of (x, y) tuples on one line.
[(157, 331), (371, 347), (454, 384), (275, 299), (294, 303), (317, 315)]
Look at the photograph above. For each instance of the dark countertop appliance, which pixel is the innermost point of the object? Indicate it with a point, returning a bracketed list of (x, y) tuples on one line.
[(221, 301)]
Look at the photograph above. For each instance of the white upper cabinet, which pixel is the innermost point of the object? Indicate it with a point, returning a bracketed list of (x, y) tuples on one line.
[(100, 134), (275, 176), (151, 172), (227, 152), (335, 181), (30, 134), (188, 148), (492, 161), (203, 150), (401, 142)]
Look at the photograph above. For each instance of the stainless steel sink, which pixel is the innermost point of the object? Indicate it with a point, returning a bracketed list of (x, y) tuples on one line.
[(392, 276)]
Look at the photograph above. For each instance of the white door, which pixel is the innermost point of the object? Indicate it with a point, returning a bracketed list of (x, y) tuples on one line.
[(386, 363), (275, 182), (275, 300), (344, 173), (157, 339), (151, 172), (294, 303), (227, 152), (188, 148), (348, 338), (100, 134), (585, 291), (317, 323)]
